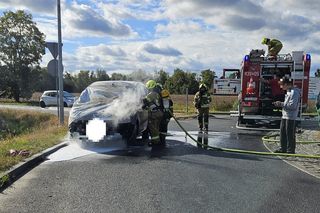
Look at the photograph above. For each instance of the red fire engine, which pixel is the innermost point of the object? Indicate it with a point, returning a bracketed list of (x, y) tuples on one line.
[(260, 88)]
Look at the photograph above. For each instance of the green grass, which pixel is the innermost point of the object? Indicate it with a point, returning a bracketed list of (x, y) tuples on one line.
[(13, 123), (42, 134), (22, 103)]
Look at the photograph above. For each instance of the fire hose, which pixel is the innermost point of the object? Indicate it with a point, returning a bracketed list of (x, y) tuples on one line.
[(265, 138)]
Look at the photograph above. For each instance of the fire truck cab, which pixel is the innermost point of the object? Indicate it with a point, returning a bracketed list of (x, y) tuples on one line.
[(260, 88)]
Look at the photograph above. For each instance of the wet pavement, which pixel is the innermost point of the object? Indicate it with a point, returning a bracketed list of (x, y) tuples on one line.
[(179, 178)]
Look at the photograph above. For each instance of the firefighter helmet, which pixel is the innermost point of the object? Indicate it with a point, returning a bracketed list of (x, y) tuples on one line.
[(165, 93), (265, 41), (151, 84), (203, 86)]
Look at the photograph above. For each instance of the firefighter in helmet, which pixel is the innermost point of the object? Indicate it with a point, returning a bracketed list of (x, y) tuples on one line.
[(274, 46), (167, 114), (153, 104), (202, 100)]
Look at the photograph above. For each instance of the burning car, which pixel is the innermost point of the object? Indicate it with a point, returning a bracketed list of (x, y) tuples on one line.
[(118, 107)]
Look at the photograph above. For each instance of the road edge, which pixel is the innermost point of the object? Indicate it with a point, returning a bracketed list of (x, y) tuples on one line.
[(291, 164), (17, 171)]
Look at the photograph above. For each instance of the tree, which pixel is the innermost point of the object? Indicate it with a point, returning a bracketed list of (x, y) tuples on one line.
[(317, 73), (21, 48), (207, 77), (102, 75), (162, 77), (181, 80), (82, 80), (69, 84), (118, 76)]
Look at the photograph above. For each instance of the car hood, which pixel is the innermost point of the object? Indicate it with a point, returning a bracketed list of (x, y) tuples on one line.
[(115, 101)]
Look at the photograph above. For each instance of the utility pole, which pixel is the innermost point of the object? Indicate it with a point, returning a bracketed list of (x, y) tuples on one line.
[(60, 68)]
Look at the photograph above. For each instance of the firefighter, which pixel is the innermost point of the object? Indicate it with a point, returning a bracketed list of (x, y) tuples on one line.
[(202, 100), (167, 114), (153, 104), (274, 46)]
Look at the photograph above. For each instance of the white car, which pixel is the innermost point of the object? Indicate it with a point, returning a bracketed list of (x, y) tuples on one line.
[(49, 98)]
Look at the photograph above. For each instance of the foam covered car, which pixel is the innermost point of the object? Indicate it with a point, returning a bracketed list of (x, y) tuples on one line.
[(117, 103)]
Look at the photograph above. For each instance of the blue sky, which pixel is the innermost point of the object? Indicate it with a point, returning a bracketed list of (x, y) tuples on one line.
[(128, 35)]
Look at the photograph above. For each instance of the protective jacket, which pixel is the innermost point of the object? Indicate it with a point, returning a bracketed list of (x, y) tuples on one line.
[(202, 100), (274, 47), (154, 101)]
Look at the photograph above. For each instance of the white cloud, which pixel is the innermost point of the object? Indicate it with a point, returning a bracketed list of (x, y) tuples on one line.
[(83, 21), (178, 27), (40, 6), (167, 51)]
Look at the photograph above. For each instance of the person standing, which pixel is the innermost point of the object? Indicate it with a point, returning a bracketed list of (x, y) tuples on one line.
[(290, 110), (202, 100), (167, 115), (155, 114)]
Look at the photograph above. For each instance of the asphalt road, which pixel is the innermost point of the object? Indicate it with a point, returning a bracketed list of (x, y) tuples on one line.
[(180, 178)]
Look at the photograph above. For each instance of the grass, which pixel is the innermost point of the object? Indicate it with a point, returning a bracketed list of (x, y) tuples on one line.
[(219, 103), (44, 132)]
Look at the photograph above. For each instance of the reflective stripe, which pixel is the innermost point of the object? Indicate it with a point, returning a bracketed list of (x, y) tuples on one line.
[(166, 103), (155, 138)]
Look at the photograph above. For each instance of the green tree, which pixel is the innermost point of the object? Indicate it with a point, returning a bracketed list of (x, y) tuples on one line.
[(69, 82), (118, 76), (207, 77), (21, 48), (181, 80), (317, 73), (82, 80), (162, 77), (102, 75)]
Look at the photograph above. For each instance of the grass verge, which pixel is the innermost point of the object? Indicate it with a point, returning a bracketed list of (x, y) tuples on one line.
[(45, 133)]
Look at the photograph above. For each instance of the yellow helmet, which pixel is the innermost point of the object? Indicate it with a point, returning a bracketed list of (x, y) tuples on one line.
[(165, 93), (151, 84), (265, 40)]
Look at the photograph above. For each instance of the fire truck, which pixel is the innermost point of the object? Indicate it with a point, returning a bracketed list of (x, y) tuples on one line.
[(228, 84), (257, 93)]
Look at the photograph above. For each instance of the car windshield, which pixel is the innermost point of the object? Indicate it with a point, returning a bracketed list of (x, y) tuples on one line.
[(106, 92)]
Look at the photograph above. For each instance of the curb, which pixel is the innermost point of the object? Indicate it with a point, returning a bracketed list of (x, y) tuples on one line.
[(22, 168)]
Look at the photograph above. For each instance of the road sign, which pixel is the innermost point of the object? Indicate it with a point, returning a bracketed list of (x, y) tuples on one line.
[(53, 67), (53, 48)]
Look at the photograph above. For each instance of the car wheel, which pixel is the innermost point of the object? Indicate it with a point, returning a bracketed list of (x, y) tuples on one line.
[(65, 104), (42, 104)]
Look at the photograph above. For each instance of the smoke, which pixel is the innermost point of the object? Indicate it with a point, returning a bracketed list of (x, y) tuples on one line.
[(126, 105)]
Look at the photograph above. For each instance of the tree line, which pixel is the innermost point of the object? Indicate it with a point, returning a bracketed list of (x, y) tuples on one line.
[(175, 83)]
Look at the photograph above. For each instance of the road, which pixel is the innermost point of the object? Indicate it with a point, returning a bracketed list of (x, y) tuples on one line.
[(180, 178)]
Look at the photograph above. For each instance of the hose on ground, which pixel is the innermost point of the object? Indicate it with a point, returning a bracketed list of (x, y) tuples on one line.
[(244, 151)]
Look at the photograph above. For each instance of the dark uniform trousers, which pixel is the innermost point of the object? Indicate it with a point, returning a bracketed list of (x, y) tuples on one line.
[(154, 120), (203, 117), (288, 135)]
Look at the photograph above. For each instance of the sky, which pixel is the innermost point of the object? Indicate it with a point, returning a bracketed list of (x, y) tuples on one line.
[(193, 35)]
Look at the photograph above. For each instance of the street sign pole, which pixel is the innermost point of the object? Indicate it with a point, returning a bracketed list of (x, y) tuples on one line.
[(60, 69)]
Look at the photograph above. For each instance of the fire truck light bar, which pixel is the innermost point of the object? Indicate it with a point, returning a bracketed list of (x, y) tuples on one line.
[(246, 58), (308, 57)]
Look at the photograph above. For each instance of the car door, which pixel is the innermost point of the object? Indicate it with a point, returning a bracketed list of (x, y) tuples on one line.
[(53, 99)]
